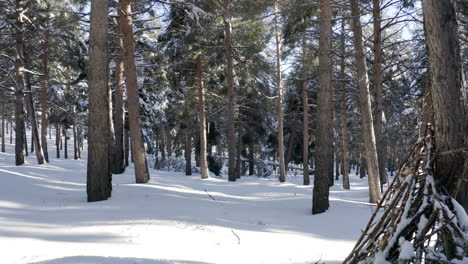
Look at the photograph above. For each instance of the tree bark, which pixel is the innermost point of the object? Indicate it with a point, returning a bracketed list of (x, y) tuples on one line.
[(231, 137), (75, 141), (378, 122), (65, 138), (57, 139), (238, 155), (19, 75), (99, 177), (321, 180), (3, 124), (279, 99), (365, 106), (136, 136), (119, 163), (344, 108), (188, 153), (35, 140), (45, 85), (202, 118), (445, 74), (305, 115)]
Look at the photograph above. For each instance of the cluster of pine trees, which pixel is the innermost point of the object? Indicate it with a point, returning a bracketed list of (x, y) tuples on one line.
[(317, 86)]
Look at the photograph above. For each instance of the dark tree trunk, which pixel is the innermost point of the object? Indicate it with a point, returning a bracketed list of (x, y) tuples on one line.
[(450, 121), (231, 137), (279, 100), (136, 135), (305, 116), (251, 160), (118, 165), (202, 119), (188, 153), (35, 140), (378, 122), (99, 177), (127, 146), (362, 167), (365, 106), (21, 6), (3, 125), (57, 139), (344, 108), (238, 155), (321, 179), (66, 137), (25, 140), (44, 87)]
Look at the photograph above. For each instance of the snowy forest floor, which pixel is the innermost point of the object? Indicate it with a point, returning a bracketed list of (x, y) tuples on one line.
[(44, 218)]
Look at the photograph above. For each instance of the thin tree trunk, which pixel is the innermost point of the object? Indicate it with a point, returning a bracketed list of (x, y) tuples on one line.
[(127, 146), (21, 6), (32, 136), (238, 155), (305, 115), (65, 135), (279, 100), (75, 141), (118, 166), (202, 118), (35, 140), (57, 139), (365, 105), (136, 136), (3, 125), (445, 72), (45, 85), (188, 153), (25, 140), (99, 177), (378, 122), (251, 159), (321, 180), (344, 108), (231, 102)]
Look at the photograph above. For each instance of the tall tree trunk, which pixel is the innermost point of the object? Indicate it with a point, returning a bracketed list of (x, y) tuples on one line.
[(35, 140), (119, 164), (99, 177), (19, 75), (344, 108), (365, 105), (202, 118), (251, 159), (25, 141), (136, 136), (331, 132), (45, 85), (231, 137), (305, 115), (321, 180), (57, 139), (378, 122), (127, 144), (445, 72), (75, 141), (112, 164), (238, 155), (188, 152), (279, 99), (66, 137), (3, 124)]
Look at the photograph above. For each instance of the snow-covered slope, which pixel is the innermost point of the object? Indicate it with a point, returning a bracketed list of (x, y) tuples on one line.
[(44, 218)]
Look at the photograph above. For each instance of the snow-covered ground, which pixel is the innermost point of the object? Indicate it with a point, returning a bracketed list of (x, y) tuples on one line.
[(44, 218)]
